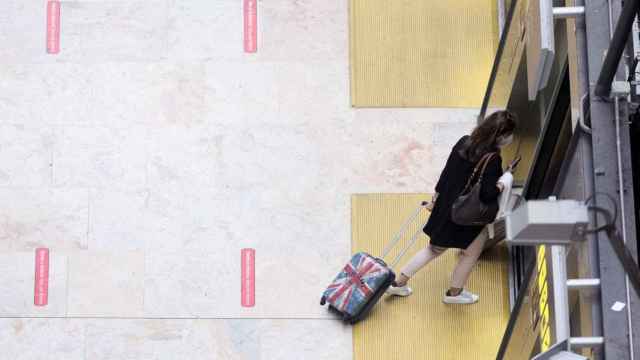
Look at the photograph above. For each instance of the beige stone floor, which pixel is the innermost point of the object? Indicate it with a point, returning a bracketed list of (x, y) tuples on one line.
[(152, 149)]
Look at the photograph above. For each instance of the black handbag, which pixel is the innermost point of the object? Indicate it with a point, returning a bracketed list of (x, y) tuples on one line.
[(468, 209)]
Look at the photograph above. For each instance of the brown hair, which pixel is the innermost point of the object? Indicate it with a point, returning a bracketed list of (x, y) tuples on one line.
[(485, 136)]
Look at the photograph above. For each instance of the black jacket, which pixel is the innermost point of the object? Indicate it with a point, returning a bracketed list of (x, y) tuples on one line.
[(442, 231)]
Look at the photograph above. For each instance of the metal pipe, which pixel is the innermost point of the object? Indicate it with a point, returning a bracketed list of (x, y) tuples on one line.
[(627, 14), (622, 217), (616, 47), (589, 177), (567, 12), (586, 342), (581, 119), (560, 293), (620, 176), (580, 284)]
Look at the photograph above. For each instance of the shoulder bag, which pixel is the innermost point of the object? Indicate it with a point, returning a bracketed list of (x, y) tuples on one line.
[(468, 209)]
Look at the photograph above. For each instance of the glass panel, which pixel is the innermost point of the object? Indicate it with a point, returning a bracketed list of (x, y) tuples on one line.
[(507, 87), (507, 58)]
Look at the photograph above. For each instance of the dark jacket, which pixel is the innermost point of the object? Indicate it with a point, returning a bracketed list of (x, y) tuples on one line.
[(442, 231)]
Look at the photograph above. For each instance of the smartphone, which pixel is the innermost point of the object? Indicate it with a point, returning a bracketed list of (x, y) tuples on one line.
[(515, 163)]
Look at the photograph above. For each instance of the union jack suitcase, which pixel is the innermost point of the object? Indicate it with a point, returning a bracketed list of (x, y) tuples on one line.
[(364, 279)]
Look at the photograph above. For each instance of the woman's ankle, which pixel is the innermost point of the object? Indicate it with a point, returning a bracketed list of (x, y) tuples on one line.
[(454, 291), (401, 280)]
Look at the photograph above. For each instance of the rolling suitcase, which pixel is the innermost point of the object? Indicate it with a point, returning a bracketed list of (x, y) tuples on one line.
[(364, 279)]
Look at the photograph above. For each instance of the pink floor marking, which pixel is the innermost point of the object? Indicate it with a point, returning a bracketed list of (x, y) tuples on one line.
[(250, 26), (248, 258), (53, 27), (42, 277)]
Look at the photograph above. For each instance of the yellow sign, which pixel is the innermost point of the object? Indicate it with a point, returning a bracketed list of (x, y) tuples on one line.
[(543, 303)]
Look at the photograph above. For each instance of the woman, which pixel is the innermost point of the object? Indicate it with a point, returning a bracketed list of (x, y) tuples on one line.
[(495, 132)]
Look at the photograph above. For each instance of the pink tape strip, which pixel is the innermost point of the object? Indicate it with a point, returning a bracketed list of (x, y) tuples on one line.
[(248, 277), (53, 27), (42, 277), (250, 26)]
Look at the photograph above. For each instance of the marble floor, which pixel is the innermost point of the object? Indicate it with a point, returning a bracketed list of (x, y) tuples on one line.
[(151, 149)]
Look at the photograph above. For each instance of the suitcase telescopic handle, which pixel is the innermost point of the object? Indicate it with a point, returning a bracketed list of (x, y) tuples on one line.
[(402, 230)]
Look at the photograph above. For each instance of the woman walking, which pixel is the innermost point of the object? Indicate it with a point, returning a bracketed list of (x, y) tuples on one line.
[(495, 132)]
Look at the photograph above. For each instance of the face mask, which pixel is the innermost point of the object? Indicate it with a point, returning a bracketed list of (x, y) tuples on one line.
[(504, 141)]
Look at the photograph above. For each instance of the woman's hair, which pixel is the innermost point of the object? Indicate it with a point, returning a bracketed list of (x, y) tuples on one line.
[(485, 136)]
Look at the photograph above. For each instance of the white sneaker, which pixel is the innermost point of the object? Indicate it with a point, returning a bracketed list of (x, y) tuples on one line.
[(464, 297), (399, 290)]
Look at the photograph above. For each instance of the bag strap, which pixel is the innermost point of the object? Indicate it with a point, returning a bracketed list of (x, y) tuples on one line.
[(484, 161)]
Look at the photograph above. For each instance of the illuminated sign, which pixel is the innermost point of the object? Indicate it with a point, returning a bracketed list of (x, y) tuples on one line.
[(543, 299), (532, 324)]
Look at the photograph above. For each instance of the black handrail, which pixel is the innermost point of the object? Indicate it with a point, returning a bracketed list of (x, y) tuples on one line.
[(616, 47)]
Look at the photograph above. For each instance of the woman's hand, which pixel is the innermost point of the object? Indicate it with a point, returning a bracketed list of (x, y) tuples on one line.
[(432, 203), (513, 164), (506, 178)]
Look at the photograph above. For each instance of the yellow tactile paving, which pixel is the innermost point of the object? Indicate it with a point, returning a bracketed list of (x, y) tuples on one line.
[(421, 53), (421, 326)]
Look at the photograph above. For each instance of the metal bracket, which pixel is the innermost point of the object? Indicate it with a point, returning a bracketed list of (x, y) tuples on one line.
[(583, 113), (586, 342), (620, 89), (540, 43), (558, 351), (547, 222), (580, 284), (568, 12)]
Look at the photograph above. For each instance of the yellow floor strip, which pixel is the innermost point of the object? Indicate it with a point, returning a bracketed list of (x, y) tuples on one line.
[(421, 326), (421, 53)]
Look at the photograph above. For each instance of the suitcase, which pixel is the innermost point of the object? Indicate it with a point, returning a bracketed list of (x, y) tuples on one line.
[(364, 279)]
